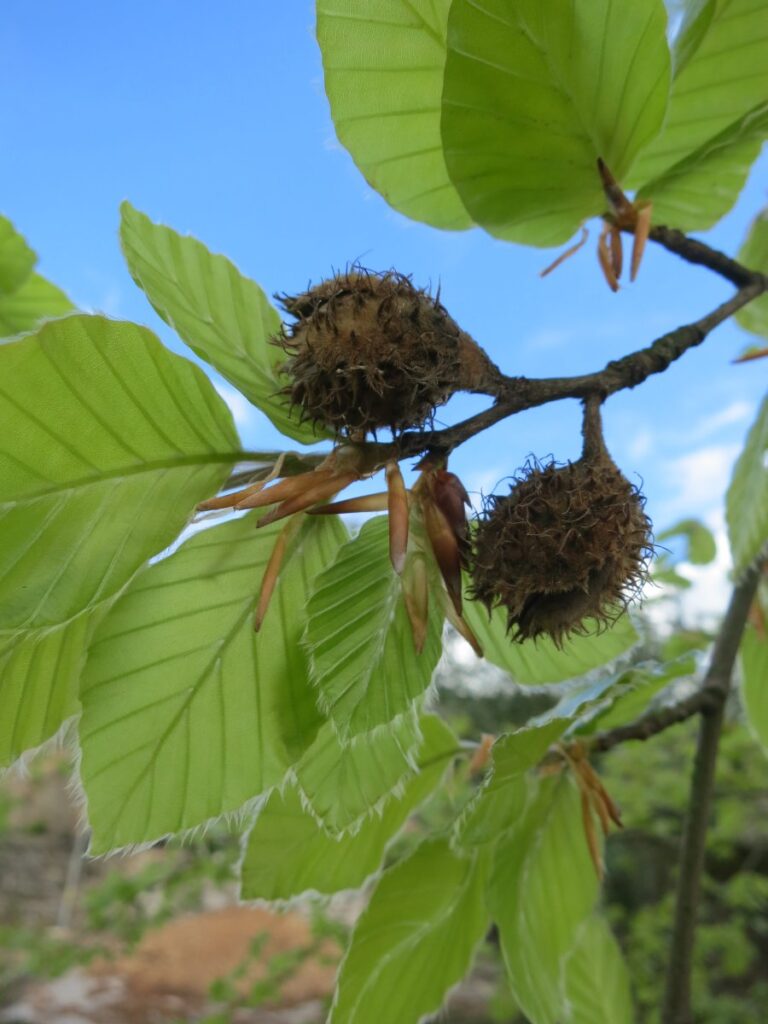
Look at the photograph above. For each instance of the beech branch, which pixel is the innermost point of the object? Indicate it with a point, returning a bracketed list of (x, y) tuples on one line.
[(515, 394), (710, 696)]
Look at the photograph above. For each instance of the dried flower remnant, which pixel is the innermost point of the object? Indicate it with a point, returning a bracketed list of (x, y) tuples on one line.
[(369, 351), (568, 544)]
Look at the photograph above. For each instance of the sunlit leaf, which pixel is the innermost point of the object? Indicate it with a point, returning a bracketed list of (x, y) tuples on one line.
[(534, 93), (344, 783), (35, 300), (414, 941), (696, 192), (107, 441), (542, 888), (16, 258), (540, 661), (359, 638), (187, 712), (632, 691), (39, 678), (721, 75), (754, 254), (383, 62), (287, 852), (596, 979), (700, 540), (223, 316), (754, 682), (501, 801), (747, 497)]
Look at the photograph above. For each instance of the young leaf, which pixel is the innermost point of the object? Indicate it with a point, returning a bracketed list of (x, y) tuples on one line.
[(721, 74), (187, 712), (39, 677), (224, 317), (754, 254), (345, 783), (541, 661), (383, 66), (701, 541), (542, 888), (16, 258), (747, 497), (501, 801), (288, 853), (754, 682), (359, 638), (534, 93), (35, 300), (107, 441), (595, 978), (701, 188), (415, 940)]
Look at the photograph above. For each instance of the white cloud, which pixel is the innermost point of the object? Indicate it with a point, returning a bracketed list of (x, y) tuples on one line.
[(699, 480), (736, 412), (641, 444)]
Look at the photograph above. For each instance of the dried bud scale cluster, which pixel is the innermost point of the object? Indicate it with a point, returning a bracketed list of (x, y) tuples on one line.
[(567, 544), (369, 351)]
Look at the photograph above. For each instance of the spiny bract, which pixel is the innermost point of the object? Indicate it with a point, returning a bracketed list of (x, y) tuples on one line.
[(369, 351), (567, 544)]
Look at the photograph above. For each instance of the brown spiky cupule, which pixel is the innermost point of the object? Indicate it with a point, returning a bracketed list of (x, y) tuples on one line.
[(568, 544), (369, 350)]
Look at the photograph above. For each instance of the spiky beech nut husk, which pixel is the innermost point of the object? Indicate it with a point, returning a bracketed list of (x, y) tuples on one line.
[(567, 544), (369, 350)]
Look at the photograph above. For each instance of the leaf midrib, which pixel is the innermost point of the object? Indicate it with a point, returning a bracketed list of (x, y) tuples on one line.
[(208, 458)]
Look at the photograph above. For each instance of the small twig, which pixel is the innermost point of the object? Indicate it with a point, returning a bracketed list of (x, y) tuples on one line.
[(703, 255), (515, 394), (677, 999), (654, 722)]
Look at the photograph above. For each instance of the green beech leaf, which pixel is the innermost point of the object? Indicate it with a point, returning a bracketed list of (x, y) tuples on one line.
[(747, 497), (187, 713), (721, 74), (359, 637), (39, 677), (754, 254), (701, 541), (499, 804), (415, 940), (754, 682), (35, 300), (542, 888), (225, 318), (345, 783), (16, 258), (383, 62), (631, 692), (596, 979), (697, 17), (540, 661), (288, 853), (701, 188), (107, 442), (534, 93)]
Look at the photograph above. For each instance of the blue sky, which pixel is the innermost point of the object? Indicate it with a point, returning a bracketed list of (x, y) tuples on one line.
[(213, 119)]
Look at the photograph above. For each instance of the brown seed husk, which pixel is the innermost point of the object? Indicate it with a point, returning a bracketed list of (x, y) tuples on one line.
[(369, 351), (567, 544)]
